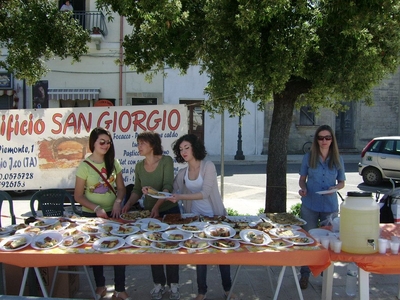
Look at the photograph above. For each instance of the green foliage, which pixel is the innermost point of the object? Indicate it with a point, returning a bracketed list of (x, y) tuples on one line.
[(232, 212), (261, 211), (295, 209), (33, 32)]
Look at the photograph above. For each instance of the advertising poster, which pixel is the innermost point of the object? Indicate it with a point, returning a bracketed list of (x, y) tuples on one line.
[(42, 148), (40, 94)]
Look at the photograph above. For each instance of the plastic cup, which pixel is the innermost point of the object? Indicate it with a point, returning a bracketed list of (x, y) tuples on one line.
[(337, 246), (394, 247), (325, 240), (382, 245)]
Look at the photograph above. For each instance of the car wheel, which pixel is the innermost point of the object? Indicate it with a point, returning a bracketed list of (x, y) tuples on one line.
[(372, 176)]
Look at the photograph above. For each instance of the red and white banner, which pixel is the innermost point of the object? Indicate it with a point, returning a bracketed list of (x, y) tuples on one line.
[(42, 148)]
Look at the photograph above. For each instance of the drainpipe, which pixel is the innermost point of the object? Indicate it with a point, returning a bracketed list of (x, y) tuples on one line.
[(121, 55)]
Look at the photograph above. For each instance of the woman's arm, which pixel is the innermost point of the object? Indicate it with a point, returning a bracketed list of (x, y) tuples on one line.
[(116, 211), (303, 185)]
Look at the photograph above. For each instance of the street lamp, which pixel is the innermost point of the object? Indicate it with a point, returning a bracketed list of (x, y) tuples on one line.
[(239, 153)]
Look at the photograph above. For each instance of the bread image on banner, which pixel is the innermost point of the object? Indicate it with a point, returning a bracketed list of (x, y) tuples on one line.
[(62, 153)]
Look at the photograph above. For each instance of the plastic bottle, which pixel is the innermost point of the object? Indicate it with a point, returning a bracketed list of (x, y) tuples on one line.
[(351, 279)]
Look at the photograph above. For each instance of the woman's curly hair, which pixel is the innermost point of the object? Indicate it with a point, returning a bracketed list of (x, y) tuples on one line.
[(199, 151)]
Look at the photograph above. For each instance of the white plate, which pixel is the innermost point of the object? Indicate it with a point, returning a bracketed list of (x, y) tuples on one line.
[(151, 236), (56, 236), (74, 238), (280, 244), (304, 240), (167, 235), (284, 233), (327, 192), (89, 229), (42, 223), (163, 226), (147, 220), (215, 231), (107, 227), (160, 245), (194, 244), (219, 244), (319, 232), (124, 230), (97, 245), (198, 226), (162, 195), (3, 243), (131, 239), (244, 234)]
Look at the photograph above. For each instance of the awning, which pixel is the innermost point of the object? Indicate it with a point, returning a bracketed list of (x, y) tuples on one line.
[(73, 94)]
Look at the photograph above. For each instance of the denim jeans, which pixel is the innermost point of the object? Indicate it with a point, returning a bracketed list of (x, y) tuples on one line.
[(313, 218), (172, 271), (119, 271), (225, 271)]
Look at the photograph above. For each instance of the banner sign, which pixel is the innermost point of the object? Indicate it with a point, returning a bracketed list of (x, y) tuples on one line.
[(42, 148)]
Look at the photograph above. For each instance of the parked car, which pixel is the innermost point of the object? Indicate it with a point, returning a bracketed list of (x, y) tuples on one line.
[(380, 160)]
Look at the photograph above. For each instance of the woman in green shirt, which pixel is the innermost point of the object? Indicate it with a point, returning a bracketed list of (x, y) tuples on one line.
[(156, 171)]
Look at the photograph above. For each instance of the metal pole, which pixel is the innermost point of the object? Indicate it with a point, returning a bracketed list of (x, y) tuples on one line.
[(222, 153), (239, 153)]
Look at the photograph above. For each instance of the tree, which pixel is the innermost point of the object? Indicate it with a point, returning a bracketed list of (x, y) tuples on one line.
[(32, 31), (317, 52)]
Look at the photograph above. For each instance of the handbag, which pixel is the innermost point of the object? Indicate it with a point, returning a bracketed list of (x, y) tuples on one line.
[(102, 176), (386, 214)]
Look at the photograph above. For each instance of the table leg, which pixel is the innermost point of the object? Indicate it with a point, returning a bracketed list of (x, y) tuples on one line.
[(297, 283), (233, 282), (278, 285), (23, 283), (398, 292), (327, 282), (270, 279), (363, 284)]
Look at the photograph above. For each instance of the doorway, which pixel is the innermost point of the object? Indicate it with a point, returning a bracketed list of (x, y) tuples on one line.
[(344, 131), (195, 117)]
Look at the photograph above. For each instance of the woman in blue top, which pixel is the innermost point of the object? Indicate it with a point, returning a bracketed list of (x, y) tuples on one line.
[(322, 169)]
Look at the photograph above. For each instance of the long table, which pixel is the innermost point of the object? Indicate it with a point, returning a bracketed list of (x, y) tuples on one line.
[(313, 255), (367, 263)]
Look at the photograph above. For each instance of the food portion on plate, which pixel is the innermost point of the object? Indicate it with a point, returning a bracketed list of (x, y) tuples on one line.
[(192, 227), (194, 244), (156, 194), (125, 229), (279, 243), (165, 245), (154, 226), (15, 242), (135, 215), (255, 237), (109, 243), (153, 236), (46, 240), (224, 244), (75, 240), (176, 235), (89, 228), (301, 240), (219, 231), (285, 219), (283, 232), (138, 240)]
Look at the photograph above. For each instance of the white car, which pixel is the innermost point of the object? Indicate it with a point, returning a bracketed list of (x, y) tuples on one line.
[(380, 160)]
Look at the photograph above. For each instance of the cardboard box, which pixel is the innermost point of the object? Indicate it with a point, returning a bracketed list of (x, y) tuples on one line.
[(66, 285)]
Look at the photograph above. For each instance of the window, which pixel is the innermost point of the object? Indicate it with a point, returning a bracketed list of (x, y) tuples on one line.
[(307, 117), (144, 101)]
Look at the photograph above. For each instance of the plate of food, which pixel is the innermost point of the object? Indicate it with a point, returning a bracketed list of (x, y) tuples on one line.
[(42, 223), (108, 243), (107, 227), (219, 231), (300, 241), (279, 243), (158, 195), (283, 233), (88, 228), (154, 226), (75, 240), (224, 244), (137, 240), (46, 240), (153, 236), (192, 227), (165, 245), (124, 230), (284, 218), (326, 192), (202, 236), (15, 242), (176, 235), (194, 244), (255, 237)]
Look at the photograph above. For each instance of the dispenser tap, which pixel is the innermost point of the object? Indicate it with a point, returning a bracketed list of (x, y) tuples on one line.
[(371, 242)]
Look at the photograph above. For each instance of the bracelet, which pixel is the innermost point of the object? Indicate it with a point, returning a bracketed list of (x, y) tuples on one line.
[(118, 200), (96, 208)]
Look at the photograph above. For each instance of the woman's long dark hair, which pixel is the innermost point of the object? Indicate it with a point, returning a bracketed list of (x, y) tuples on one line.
[(110, 154), (333, 155), (198, 149)]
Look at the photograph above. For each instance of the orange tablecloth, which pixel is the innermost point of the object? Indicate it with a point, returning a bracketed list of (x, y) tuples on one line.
[(375, 263), (316, 258)]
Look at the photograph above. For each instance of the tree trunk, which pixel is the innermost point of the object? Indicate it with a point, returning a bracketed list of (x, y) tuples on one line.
[(275, 198)]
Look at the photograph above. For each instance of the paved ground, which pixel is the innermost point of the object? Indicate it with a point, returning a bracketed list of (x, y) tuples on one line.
[(253, 282)]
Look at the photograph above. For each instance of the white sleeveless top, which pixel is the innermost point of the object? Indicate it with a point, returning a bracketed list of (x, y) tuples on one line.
[(202, 207)]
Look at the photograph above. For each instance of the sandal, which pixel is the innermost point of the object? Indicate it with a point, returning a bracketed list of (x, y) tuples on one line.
[(232, 297), (201, 297), (117, 296), (101, 294)]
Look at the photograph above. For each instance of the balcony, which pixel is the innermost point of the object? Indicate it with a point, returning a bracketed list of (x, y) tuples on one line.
[(95, 23)]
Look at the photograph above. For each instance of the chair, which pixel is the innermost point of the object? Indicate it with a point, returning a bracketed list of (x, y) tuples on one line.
[(51, 202)]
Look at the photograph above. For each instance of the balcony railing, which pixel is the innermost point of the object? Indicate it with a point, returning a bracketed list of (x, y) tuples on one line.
[(93, 21)]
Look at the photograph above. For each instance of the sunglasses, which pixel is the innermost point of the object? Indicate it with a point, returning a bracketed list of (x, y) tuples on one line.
[(327, 137), (103, 142)]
